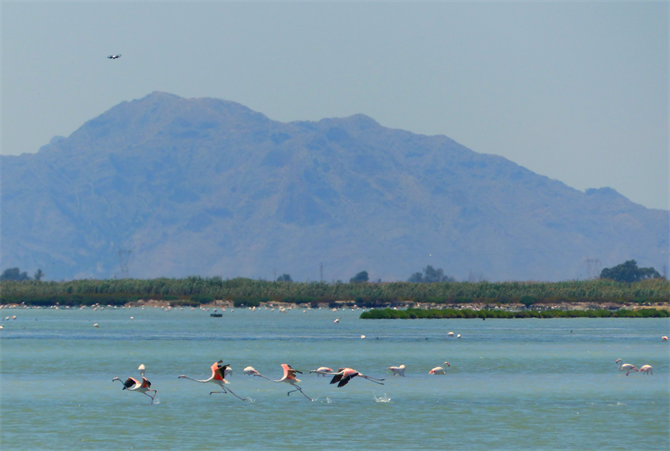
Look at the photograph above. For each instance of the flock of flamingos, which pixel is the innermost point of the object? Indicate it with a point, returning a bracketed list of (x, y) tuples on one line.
[(341, 377)]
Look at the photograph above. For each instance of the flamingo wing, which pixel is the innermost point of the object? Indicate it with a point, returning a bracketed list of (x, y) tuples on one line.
[(345, 380), (337, 378), (130, 382), (146, 383)]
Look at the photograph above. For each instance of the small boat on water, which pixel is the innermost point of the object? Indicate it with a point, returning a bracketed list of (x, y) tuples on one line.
[(216, 314)]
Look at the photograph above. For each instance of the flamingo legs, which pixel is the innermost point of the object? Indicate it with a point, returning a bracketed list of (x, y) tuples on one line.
[(297, 388)]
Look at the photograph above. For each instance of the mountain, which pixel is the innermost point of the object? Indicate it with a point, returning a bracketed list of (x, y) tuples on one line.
[(167, 186)]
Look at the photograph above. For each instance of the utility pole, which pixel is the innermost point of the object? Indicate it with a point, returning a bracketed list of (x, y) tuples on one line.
[(593, 268), (124, 255)]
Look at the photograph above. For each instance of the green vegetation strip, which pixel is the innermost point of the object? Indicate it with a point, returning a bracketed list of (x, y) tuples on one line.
[(413, 313), (197, 290)]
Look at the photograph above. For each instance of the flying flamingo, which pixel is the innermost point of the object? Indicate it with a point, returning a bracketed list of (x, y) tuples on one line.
[(289, 378), (218, 378), (646, 369), (397, 370), (439, 369), (664, 338), (249, 371), (322, 371), (629, 368), (132, 384), (344, 375)]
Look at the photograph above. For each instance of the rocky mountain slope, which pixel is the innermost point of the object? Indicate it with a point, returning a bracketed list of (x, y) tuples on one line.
[(167, 186)]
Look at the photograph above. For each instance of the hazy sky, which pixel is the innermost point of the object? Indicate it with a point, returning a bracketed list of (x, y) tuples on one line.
[(574, 91)]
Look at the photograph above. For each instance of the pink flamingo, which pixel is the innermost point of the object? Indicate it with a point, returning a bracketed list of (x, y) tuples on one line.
[(397, 370), (646, 369), (664, 338), (344, 375), (322, 371), (132, 384), (218, 378), (289, 378), (249, 371), (629, 368), (439, 369)]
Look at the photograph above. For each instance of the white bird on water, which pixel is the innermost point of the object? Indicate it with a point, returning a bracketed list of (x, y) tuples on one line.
[(627, 367), (397, 370), (646, 369), (439, 369)]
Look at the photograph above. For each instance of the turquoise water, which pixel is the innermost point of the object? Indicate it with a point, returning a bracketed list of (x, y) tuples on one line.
[(512, 384)]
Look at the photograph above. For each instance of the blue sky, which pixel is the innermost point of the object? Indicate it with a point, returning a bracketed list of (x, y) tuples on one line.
[(574, 91)]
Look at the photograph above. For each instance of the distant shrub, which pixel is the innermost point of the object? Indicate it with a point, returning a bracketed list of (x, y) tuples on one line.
[(528, 300), (203, 298)]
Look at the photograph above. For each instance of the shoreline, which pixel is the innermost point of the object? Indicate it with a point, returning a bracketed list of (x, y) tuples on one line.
[(225, 304)]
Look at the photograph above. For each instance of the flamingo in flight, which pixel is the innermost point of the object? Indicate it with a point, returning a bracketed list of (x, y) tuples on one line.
[(344, 375), (322, 371), (132, 384), (439, 369), (289, 378), (218, 378), (627, 367), (249, 371), (113, 57), (646, 369), (397, 370)]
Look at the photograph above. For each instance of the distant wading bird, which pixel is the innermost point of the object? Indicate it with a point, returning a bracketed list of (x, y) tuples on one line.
[(439, 369), (646, 369), (397, 370), (132, 384), (344, 375), (218, 378), (289, 378), (114, 57), (322, 371), (627, 367)]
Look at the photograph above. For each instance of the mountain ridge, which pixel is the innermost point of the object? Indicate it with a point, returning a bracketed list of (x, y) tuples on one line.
[(210, 187)]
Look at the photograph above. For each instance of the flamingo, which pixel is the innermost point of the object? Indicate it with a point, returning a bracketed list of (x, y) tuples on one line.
[(646, 369), (439, 369), (218, 378), (289, 378), (132, 384), (627, 367), (249, 371), (397, 370), (664, 338), (113, 57), (344, 375), (337, 320), (322, 371)]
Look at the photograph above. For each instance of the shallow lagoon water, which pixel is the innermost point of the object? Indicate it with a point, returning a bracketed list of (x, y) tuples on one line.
[(512, 384)]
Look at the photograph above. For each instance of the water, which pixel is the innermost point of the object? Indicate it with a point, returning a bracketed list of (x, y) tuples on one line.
[(512, 384)]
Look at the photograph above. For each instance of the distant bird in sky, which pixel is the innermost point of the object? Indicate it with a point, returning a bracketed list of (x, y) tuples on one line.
[(113, 57), (397, 370), (218, 378), (344, 375), (627, 367), (439, 369), (133, 384), (322, 371), (289, 378)]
